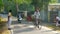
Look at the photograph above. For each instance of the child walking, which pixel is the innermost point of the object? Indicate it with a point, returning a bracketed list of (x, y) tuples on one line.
[(9, 20)]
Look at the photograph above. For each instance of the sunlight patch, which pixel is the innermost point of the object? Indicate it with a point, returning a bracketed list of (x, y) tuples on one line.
[(31, 26)]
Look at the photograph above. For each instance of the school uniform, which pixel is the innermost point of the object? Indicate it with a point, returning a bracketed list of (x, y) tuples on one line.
[(37, 16), (9, 21)]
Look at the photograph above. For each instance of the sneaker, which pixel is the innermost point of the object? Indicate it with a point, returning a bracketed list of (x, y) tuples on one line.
[(9, 28)]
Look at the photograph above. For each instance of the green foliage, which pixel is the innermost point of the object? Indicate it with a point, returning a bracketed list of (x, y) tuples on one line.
[(23, 4), (35, 2), (18, 1), (1, 5), (27, 7), (27, 1), (22, 1), (40, 3), (53, 1)]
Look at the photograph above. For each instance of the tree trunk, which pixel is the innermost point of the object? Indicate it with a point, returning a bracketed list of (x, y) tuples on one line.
[(17, 9)]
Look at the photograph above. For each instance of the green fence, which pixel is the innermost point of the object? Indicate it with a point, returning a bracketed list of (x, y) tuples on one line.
[(44, 15), (49, 16)]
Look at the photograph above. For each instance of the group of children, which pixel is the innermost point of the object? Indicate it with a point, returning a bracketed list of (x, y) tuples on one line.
[(36, 15), (29, 18)]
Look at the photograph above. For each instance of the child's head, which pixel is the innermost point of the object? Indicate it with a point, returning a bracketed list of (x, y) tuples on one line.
[(10, 10)]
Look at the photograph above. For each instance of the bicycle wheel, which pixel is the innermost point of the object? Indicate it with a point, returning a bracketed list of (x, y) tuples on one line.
[(39, 24)]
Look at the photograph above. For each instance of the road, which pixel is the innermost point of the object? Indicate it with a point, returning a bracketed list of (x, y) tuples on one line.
[(28, 28)]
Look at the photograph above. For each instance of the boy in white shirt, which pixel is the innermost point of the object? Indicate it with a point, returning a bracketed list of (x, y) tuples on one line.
[(37, 17)]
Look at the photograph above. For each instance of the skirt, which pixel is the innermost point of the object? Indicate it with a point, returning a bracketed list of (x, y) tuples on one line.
[(9, 23)]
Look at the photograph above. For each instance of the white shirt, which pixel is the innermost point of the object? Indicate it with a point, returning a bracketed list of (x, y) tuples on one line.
[(37, 15), (20, 17), (10, 19), (58, 18)]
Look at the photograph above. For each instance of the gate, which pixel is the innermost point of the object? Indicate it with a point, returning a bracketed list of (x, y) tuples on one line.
[(53, 16)]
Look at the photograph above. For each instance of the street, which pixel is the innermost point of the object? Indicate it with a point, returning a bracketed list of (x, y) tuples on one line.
[(28, 28)]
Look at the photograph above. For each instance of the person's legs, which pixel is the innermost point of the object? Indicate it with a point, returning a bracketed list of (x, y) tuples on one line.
[(9, 25), (37, 24), (38, 21), (57, 24)]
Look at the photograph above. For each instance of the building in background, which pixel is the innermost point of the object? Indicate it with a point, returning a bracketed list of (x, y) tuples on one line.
[(53, 10)]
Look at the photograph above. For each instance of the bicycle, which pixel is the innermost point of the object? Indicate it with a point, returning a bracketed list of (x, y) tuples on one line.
[(37, 23)]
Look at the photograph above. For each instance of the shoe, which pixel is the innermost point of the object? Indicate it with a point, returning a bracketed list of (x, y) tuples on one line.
[(37, 26), (9, 28)]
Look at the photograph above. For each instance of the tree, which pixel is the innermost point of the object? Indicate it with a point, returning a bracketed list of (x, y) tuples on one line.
[(36, 3), (40, 3), (1, 5), (20, 2), (53, 1)]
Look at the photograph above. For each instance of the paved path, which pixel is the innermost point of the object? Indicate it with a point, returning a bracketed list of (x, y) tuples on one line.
[(28, 28)]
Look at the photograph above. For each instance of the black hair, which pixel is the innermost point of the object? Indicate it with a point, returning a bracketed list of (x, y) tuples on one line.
[(10, 10)]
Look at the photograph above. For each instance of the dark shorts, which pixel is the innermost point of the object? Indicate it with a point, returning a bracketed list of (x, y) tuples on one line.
[(59, 22)]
